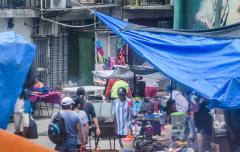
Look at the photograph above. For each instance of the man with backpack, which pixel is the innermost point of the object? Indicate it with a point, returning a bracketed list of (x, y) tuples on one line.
[(65, 127), (86, 106)]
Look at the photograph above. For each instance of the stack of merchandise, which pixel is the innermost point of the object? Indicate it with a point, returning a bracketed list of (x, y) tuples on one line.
[(152, 145)]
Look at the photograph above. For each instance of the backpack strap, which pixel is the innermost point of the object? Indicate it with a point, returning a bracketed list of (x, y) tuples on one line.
[(84, 106), (59, 113)]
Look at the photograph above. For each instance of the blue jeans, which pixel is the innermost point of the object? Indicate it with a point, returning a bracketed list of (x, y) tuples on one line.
[(66, 147)]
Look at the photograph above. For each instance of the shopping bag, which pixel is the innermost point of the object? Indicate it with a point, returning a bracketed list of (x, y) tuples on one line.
[(32, 130)]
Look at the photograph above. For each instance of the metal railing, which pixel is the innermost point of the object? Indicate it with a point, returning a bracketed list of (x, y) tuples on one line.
[(146, 2), (61, 4), (12, 4)]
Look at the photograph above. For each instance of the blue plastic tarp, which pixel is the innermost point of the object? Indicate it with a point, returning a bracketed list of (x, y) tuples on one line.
[(209, 66), (16, 56)]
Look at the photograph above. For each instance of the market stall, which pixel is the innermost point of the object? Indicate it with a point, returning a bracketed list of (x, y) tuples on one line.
[(71, 91), (46, 101), (152, 131), (206, 62), (129, 73), (119, 72)]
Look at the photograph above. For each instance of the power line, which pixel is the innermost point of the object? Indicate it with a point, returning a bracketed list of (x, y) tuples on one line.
[(73, 26), (67, 25)]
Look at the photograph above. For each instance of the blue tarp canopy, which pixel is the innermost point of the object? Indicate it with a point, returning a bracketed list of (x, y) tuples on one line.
[(209, 66), (16, 56)]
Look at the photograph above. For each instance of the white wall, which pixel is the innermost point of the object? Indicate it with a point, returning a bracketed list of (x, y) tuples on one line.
[(19, 27)]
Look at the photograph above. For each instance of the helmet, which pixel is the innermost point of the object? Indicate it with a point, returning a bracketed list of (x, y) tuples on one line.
[(122, 91), (80, 91)]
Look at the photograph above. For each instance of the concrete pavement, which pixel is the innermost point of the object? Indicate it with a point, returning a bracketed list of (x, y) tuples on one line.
[(42, 124)]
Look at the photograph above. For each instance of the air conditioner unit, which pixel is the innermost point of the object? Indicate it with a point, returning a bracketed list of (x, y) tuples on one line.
[(48, 29), (58, 4)]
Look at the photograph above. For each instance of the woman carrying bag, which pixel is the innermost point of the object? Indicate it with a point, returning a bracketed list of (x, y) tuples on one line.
[(22, 116)]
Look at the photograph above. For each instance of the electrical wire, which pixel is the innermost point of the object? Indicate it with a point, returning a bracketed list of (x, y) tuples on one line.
[(73, 26), (67, 25)]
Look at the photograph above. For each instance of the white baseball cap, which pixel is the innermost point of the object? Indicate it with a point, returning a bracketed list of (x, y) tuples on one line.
[(67, 101)]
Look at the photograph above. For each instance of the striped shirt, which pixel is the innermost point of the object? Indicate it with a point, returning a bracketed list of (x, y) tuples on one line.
[(123, 113)]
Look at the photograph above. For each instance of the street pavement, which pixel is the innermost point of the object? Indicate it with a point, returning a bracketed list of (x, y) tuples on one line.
[(42, 124)]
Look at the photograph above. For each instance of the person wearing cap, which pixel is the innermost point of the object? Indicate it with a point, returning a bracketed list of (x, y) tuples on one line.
[(72, 126), (119, 84), (86, 106), (122, 112)]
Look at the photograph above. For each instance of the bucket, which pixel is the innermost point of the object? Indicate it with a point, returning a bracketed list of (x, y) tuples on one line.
[(128, 143), (178, 119)]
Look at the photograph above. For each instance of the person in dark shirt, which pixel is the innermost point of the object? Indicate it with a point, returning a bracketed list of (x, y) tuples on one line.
[(232, 120), (86, 106), (204, 124), (72, 125)]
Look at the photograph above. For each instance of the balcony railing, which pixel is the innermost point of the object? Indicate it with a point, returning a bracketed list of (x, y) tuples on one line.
[(12, 4), (50, 4), (61, 4), (147, 2)]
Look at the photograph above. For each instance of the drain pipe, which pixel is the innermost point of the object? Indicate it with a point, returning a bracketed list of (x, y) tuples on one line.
[(178, 14)]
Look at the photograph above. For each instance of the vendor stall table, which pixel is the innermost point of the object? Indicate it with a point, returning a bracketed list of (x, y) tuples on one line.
[(42, 101), (70, 91)]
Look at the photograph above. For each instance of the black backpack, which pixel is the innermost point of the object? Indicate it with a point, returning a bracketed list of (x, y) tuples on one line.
[(56, 130)]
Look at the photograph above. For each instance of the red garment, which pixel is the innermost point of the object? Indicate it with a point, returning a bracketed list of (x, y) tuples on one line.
[(130, 103), (129, 93), (151, 92), (156, 107), (109, 88)]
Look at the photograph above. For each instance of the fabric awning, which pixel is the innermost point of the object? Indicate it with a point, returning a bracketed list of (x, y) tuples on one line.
[(209, 66)]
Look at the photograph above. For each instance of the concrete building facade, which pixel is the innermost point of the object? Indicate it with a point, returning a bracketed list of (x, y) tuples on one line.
[(66, 47), (205, 14)]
